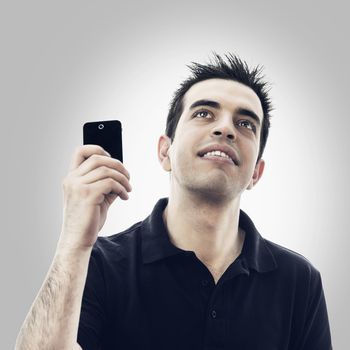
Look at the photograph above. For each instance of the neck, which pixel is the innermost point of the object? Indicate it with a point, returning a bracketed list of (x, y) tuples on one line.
[(209, 228)]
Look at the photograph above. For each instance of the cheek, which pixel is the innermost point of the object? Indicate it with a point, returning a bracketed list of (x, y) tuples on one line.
[(177, 154), (249, 155), (248, 146), (182, 157)]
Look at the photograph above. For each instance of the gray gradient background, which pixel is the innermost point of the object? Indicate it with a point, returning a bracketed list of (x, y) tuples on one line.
[(64, 63)]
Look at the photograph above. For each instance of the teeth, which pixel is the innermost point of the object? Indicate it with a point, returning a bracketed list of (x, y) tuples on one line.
[(217, 154)]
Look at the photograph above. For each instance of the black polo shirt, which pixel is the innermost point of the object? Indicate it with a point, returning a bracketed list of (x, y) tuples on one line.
[(142, 292)]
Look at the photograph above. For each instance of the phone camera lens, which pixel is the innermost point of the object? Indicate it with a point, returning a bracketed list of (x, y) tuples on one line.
[(101, 126)]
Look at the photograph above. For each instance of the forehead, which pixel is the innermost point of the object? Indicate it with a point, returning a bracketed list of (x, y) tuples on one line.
[(230, 94)]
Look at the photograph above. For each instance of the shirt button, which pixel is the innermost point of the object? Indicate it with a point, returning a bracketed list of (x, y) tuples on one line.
[(204, 283), (213, 314)]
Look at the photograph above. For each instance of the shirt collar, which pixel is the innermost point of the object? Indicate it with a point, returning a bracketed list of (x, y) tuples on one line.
[(255, 252), (156, 244)]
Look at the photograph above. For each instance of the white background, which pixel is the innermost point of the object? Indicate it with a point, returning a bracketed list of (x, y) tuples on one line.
[(67, 62)]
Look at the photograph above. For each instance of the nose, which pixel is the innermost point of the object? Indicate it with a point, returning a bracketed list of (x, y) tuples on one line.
[(224, 131)]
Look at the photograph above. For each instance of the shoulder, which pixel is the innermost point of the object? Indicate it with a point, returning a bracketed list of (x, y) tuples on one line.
[(292, 263), (115, 247)]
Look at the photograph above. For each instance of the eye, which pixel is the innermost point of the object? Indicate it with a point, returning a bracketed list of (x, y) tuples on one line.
[(202, 114), (247, 124)]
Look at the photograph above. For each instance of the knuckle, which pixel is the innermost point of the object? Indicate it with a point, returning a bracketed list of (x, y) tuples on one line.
[(78, 150), (104, 169), (96, 158), (117, 164), (110, 181)]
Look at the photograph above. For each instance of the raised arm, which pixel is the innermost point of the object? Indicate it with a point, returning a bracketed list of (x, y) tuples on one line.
[(94, 181)]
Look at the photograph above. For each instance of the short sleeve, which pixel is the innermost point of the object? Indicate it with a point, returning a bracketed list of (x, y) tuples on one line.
[(316, 331), (93, 317)]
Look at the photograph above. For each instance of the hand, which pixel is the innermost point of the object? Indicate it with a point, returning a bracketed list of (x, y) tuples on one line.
[(94, 181)]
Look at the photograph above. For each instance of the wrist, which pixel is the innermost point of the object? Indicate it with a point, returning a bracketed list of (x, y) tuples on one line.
[(67, 247)]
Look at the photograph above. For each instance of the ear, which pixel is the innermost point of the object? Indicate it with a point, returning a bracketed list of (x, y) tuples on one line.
[(164, 144), (258, 171)]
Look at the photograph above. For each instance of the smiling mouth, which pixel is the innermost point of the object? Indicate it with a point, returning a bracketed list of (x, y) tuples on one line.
[(220, 154), (219, 159)]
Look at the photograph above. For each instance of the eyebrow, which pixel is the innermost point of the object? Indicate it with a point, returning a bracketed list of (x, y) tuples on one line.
[(248, 113), (216, 105), (208, 103)]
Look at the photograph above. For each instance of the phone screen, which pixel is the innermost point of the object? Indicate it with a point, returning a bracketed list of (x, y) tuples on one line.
[(107, 134)]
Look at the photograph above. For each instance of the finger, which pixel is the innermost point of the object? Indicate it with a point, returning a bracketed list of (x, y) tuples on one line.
[(104, 172), (96, 161), (82, 153), (106, 187)]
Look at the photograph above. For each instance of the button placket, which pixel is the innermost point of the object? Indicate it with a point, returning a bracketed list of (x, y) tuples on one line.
[(205, 283)]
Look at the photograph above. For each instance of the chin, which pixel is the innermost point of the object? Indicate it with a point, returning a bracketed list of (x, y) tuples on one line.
[(212, 193)]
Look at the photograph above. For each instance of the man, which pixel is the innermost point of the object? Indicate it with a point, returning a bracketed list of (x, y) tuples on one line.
[(195, 274)]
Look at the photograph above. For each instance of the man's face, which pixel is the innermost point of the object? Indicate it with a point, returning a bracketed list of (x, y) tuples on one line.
[(218, 115)]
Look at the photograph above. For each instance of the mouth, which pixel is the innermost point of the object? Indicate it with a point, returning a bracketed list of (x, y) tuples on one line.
[(221, 155), (219, 160)]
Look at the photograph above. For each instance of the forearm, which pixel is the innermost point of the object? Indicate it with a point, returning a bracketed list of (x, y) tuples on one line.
[(53, 320)]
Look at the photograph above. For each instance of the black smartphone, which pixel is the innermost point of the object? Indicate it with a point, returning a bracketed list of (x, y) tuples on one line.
[(107, 134)]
